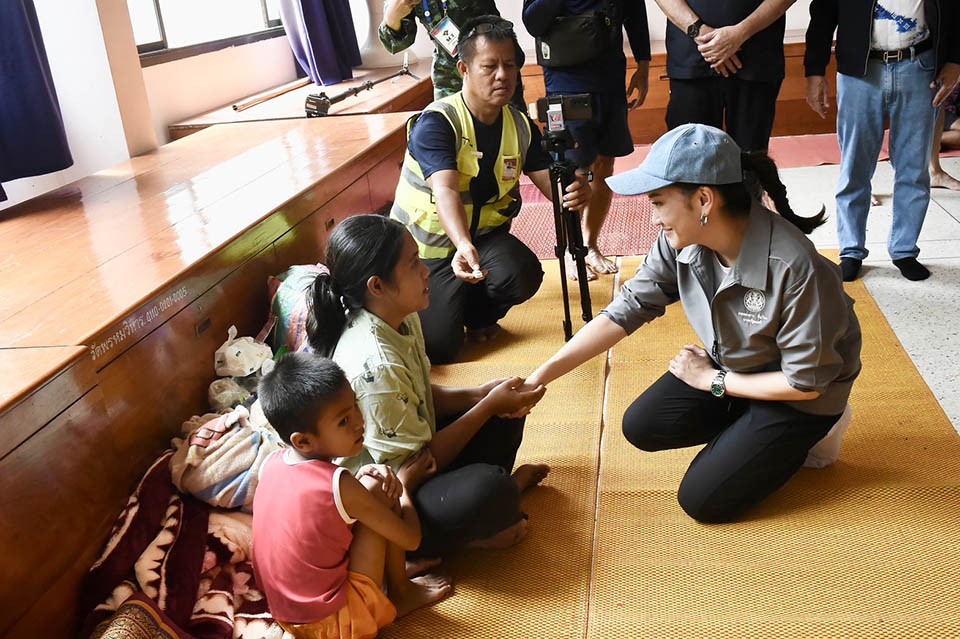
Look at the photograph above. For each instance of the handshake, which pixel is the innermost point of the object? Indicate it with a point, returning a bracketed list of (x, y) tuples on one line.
[(510, 397)]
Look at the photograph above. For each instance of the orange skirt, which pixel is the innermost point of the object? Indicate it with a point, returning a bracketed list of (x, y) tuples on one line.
[(367, 611)]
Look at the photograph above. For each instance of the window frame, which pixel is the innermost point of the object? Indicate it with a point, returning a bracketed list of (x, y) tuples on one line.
[(157, 52)]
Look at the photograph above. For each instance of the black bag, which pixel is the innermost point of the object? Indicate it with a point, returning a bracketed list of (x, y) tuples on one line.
[(577, 39)]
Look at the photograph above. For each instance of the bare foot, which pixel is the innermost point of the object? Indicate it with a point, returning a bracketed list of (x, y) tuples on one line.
[(943, 180), (503, 539), (421, 565), (419, 592), (529, 475), (598, 263), (572, 271)]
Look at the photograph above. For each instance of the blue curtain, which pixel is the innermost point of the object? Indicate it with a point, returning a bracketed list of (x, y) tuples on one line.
[(32, 138), (322, 36)]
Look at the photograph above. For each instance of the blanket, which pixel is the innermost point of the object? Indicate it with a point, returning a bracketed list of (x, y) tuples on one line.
[(175, 567)]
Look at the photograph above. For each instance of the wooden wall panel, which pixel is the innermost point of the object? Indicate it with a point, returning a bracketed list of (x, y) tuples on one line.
[(36, 385), (59, 494), (304, 243), (162, 380), (383, 178)]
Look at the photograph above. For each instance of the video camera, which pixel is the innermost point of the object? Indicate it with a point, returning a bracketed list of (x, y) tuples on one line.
[(555, 111)]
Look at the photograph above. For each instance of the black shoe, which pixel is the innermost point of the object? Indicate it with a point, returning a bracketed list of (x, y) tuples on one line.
[(850, 268), (911, 269)]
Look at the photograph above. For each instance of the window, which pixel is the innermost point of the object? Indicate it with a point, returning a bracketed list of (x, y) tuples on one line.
[(191, 26)]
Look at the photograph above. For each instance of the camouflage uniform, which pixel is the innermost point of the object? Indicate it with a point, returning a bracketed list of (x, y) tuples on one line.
[(446, 78)]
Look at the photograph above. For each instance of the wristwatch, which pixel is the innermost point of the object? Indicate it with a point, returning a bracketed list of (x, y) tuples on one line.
[(694, 29), (717, 387)]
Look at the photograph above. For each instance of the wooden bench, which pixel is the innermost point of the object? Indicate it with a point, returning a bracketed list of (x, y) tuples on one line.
[(648, 122), (116, 291), (404, 93)]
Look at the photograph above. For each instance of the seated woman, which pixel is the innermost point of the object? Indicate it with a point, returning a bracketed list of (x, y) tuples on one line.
[(781, 341), (364, 315)]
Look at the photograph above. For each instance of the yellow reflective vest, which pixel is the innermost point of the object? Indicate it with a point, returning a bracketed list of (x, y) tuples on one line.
[(414, 205)]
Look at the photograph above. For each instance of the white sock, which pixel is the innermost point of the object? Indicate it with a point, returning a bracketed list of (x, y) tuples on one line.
[(827, 450)]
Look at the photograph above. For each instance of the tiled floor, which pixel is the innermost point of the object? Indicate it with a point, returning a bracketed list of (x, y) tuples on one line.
[(925, 315)]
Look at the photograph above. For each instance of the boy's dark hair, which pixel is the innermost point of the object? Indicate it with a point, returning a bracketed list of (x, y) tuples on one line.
[(296, 390), (360, 247), (492, 27)]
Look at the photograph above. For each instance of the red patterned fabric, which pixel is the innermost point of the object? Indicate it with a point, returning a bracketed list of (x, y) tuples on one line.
[(165, 549)]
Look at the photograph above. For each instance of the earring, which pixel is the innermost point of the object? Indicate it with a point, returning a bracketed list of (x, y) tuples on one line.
[(703, 219)]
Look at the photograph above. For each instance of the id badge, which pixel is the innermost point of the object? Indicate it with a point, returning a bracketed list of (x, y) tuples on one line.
[(509, 169), (446, 34)]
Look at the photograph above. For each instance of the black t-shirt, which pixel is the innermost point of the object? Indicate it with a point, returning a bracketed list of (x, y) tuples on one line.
[(761, 55), (434, 147)]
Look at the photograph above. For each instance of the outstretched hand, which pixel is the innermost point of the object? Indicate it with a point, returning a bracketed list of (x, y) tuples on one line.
[(511, 395), (524, 411), (466, 264), (693, 366)]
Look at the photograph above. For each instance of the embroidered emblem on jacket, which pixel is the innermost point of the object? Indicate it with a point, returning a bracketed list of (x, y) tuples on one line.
[(754, 300)]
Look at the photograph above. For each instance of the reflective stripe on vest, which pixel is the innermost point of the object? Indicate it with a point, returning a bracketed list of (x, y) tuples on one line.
[(414, 205)]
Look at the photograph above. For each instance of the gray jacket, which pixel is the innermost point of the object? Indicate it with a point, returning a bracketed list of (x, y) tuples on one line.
[(781, 307)]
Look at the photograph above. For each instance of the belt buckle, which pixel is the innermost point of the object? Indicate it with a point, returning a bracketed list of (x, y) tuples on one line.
[(892, 56)]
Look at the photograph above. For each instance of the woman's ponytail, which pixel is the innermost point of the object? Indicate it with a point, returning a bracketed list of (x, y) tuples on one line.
[(326, 317), (761, 165)]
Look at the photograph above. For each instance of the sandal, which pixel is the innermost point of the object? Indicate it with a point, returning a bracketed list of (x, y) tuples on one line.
[(599, 264)]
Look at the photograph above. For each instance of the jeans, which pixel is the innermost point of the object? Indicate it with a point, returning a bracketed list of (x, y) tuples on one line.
[(900, 91)]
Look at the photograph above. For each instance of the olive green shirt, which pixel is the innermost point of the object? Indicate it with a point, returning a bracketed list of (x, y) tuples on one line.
[(390, 373), (446, 77)]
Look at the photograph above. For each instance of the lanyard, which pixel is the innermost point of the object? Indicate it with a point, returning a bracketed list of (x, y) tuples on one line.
[(426, 9)]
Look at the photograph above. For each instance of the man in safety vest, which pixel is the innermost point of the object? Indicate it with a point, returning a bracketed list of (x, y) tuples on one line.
[(460, 188)]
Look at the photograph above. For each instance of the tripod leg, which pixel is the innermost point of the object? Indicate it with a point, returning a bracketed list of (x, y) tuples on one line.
[(579, 253), (559, 223)]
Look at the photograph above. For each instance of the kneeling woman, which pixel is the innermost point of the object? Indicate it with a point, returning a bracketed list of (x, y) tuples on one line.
[(364, 315), (781, 341)]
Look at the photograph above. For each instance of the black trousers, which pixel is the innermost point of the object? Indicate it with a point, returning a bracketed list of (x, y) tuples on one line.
[(752, 447), (743, 108), (514, 276), (474, 497)]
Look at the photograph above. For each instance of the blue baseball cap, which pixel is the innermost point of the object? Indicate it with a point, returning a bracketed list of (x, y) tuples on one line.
[(692, 153)]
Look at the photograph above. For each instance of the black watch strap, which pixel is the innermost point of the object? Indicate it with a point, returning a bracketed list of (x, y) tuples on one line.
[(694, 29)]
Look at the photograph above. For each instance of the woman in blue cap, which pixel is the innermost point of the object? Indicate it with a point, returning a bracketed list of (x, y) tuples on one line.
[(780, 341)]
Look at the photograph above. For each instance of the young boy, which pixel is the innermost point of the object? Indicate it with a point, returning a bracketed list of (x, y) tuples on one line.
[(322, 575)]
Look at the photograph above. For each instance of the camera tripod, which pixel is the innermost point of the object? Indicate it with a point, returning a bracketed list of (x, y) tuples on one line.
[(567, 224)]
